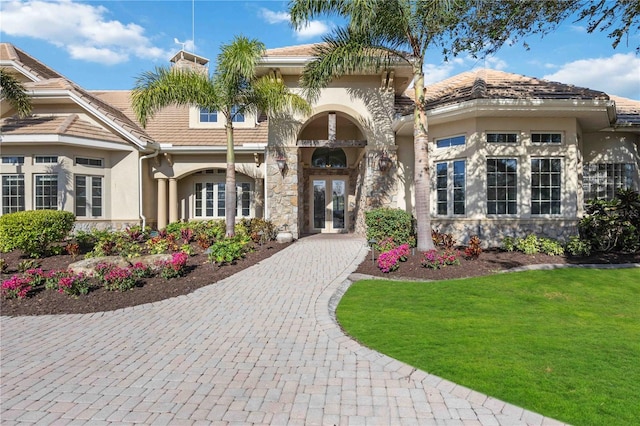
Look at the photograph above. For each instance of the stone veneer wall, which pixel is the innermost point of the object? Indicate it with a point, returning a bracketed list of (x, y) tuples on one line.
[(493, 231), (283, 190)]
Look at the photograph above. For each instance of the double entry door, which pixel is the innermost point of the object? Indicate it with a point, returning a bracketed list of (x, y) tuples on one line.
[(328, 203)]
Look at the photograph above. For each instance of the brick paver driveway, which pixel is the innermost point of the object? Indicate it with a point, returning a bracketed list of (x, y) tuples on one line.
[(258, 347)]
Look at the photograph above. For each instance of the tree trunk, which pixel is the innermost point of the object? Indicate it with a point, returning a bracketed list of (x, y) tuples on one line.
[(230, 197), (422, 174)]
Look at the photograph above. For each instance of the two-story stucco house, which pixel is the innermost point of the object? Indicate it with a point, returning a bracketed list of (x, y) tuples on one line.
[(510, 154)]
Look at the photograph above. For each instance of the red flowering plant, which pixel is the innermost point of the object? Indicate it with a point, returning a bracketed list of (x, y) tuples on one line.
[(68, 282), (176, 267), (16, 287), (121, 279), (436, 260)]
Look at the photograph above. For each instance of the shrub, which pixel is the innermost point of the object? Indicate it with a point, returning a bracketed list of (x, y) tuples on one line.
[(508, 244), (394, 223), (528, 245), (34, 231), (73, 249), (473, 250), (258, 229), (388, 261), (387, 244), (16, 287), (443, 240), (550, 247), (228, 250), (141, 270), (176, 267), (435, 260), (576, 246), (613, 225), (120, 279), (73, 284), (157, 245)]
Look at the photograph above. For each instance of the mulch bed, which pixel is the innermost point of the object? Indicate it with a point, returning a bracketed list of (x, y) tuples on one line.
[(489, 262), (202, 273)]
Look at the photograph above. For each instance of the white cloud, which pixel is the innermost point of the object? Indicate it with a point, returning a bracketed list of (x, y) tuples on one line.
[(313, 29), (274, 17), (83, 30), (615, 75)]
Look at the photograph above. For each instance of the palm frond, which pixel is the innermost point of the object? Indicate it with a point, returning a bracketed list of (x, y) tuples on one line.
[(15, 93), (272, 96)]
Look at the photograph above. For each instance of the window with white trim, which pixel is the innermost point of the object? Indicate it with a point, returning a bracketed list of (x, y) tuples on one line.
[(502, 138), (13, 159), (452, 141), (209, 200), (603, 180), (45, 159), (12, 193), (45, 192), (451, 187), (546, 185), (236, 117), (88, 196), (502, 186), (546, 138), (208, 115), (91, 162)]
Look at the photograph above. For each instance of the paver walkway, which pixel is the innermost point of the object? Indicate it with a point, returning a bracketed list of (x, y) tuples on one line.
[(259, 347)]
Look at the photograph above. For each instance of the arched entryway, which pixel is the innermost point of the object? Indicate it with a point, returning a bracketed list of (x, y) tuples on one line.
[(331, 147)]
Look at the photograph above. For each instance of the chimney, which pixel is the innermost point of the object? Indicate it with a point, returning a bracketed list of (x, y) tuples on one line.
[(184, 60)]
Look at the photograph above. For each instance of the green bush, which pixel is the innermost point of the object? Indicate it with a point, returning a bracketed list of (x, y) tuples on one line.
[(550, 247), (260, 230), (613, 225), (385, 223), (578, 247), (528, 245), (508, 244), (34, 231), (228, 250)]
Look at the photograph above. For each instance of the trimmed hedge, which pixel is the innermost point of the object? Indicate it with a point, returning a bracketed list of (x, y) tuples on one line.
[(34, 231), (385, 223)]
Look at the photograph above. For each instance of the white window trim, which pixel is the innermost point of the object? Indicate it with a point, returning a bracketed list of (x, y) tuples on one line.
[(562, 188), (75, 162), (89, 197), (547, 132), (518, 212), (451, 188)]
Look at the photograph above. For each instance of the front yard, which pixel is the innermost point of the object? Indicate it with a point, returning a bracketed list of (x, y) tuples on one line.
[(564, 343)]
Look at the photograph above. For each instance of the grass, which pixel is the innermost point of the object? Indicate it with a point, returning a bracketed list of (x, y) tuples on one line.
[(564, 343)]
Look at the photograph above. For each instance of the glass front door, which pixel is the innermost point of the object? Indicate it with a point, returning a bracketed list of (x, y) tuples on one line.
[(329, 199)]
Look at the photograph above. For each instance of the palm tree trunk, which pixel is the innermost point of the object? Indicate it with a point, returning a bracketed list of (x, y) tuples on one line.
[(230, 197), (422, 179)]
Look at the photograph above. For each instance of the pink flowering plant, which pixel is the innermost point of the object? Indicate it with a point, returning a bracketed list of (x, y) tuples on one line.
[(176, 267), (68, 282), (434, 259), (16, 287), (120, 279), (390, 260)]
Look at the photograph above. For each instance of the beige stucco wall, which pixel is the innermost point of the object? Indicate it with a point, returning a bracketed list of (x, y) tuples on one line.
[(120, 179)]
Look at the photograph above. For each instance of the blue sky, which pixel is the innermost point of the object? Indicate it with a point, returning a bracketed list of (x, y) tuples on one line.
[(106, 44)]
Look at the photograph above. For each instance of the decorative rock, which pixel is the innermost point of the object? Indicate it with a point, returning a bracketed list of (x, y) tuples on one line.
[(284, 237), (152, 260), (87, 266)]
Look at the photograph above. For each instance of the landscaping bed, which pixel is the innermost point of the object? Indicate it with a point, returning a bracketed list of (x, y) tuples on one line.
[(199, 273)]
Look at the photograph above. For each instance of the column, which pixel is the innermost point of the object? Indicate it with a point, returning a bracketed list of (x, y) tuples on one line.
[(162, 203), (173, 200)]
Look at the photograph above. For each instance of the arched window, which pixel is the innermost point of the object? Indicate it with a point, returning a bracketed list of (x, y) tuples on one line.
[(329, 157)]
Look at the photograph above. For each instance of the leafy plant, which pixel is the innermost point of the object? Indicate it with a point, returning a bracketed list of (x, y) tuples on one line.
[(388, 261), (16, 287), (576, 246), (34, 231), (385, 223), (73, 249), (23, 265), (434, 259), (443, 240), (550, 247), (3, 265), (528, 245), (228, 250), (508, 244), (174, 268), (73, 284), (120, 279), (473, 250)]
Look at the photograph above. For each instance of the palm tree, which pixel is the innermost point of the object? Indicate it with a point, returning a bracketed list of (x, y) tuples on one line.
[(15, 93), (378, 33), (232, 89)]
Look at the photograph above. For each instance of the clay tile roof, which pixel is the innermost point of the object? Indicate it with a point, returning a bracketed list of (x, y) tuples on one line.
[(171, 125), (64, 125), (627, 110), (8, 52), (302, 50)]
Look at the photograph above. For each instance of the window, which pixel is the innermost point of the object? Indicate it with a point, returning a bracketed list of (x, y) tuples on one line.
[(13, 159), (329, 157), (12, 193), (210, 199), (453, 141), (46, 192), (450, 187), (502, 188), (502, 138), (88, 191), (45, 159), (546, 137), (545, 185), (236, 117), (92, 162), (208, 115), (602, 180)]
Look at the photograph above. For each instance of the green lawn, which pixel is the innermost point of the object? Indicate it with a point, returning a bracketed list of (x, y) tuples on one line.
[(564, 343)]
